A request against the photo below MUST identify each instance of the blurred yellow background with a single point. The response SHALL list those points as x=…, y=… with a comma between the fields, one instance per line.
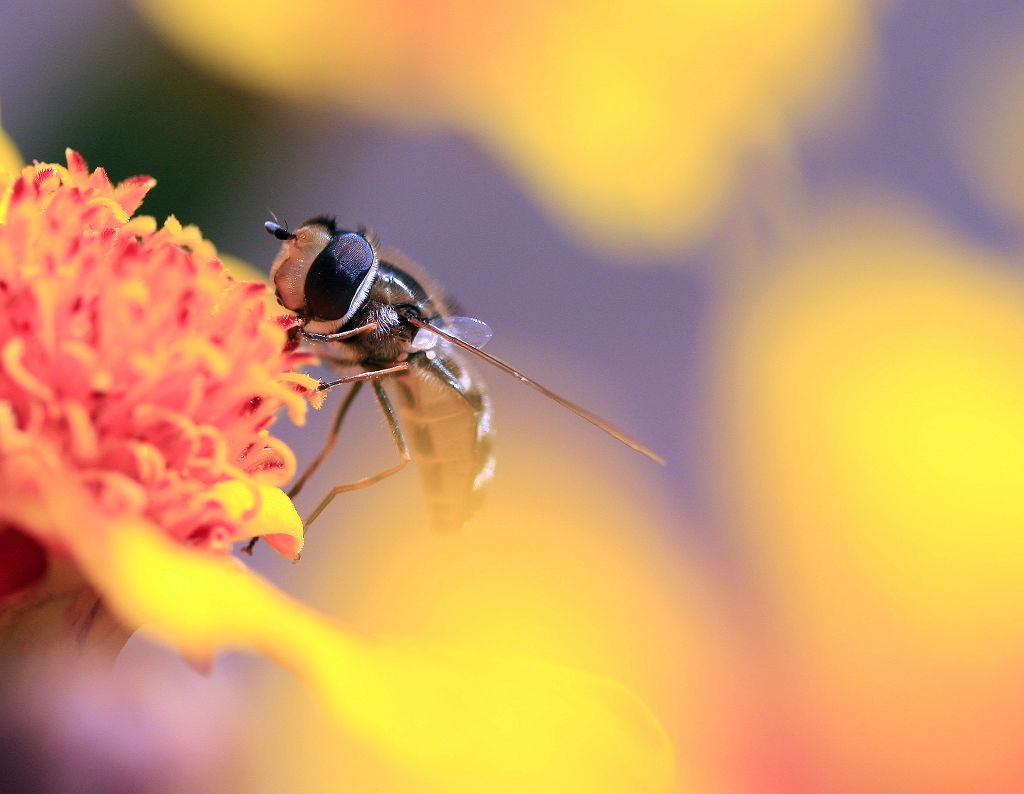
x=781, y=243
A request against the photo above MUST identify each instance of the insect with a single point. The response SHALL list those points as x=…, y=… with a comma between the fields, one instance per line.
x=371, y=312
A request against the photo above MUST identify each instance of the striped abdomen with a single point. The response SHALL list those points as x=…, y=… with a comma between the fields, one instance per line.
x=446, y=419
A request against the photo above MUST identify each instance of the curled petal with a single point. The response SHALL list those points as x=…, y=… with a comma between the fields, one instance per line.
x=262, y=511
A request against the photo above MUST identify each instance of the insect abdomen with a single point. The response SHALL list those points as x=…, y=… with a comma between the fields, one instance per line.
x=446, y=419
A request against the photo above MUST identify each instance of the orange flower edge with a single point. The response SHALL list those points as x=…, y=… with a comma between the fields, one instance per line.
x=138, y=380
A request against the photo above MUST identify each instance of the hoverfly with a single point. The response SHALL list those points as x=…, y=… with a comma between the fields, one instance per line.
x=370, y=311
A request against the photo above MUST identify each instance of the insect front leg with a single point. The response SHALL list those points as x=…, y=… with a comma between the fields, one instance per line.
x=361, y=376
x=403, y=450
x=357, y=382
x=338, y=336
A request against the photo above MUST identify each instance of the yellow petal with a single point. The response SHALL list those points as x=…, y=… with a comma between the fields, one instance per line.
x=243, y=271
x=263, y=511
x=453, y=714
x=10, y=166
x=480, y=723
x=10, y=159
x=582, y=573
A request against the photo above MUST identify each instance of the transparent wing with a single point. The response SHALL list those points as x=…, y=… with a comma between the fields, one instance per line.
x=579, y=410
x=473, y=332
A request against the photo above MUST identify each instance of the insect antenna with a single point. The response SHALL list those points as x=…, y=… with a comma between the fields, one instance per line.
x=580, y=411
x=275, y=228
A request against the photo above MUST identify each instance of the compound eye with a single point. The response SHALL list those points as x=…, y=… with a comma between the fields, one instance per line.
x=339, y=279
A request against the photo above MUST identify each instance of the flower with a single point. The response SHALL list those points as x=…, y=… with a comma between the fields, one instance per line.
x=630, y=121
x=137, y=379
x=137, y=384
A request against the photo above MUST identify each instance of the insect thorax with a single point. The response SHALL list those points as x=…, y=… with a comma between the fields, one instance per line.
x=393, y=289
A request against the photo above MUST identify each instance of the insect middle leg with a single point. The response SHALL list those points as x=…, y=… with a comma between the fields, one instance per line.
x=337, y=336
x=332, y=439
x=403, y=450
x=357, y=382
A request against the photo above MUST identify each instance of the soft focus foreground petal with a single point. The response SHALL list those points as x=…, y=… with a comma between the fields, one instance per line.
x=195, y=602
x=479, y=722
x=871, y=401
x=436, y=710
x=572, y=560
x=630, y=121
